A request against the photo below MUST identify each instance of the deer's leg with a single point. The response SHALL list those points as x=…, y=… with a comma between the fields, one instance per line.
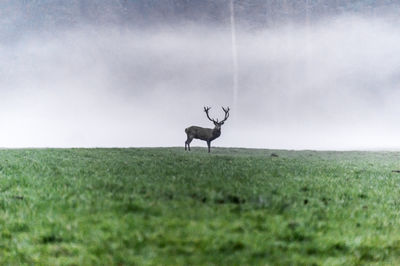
x=189, y=139
x=186, y=143
x=208, y=144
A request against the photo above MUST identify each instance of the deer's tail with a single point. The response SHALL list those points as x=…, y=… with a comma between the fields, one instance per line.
x=186, y=130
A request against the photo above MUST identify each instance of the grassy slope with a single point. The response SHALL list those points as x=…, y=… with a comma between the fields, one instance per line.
x=234, y=206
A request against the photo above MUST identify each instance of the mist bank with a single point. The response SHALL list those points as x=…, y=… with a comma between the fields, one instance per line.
x=331, y=85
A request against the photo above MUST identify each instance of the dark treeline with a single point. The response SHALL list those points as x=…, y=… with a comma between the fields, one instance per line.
x=30, y=15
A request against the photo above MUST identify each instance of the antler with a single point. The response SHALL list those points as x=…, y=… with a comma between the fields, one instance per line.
x=206, y=109
x=226, y=110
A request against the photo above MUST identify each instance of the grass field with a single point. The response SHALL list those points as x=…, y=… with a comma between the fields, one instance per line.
x=230, y=207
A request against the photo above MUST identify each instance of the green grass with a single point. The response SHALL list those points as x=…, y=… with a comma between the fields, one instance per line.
x=171, y=207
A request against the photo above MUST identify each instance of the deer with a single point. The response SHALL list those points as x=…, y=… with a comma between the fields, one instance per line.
x=206, y=134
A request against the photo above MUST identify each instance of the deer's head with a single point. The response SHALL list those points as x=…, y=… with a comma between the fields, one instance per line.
x=217, y=123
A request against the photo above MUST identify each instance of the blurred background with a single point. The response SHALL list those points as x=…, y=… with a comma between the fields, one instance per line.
x=297, y=74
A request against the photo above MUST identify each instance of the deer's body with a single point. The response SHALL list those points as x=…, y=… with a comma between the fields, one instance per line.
x=206, y=134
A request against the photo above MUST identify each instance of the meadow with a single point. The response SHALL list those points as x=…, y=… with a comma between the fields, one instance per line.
x=165, y=206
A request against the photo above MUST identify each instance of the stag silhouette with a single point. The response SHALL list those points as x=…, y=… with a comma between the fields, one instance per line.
x=206, y=134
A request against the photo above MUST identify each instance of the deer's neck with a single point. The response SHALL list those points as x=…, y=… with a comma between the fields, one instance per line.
x=216, y=132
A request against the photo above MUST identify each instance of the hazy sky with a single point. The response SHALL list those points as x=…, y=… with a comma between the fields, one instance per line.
x=334, y=84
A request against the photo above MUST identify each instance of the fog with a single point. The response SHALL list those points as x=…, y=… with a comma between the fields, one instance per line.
x=333, y=85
